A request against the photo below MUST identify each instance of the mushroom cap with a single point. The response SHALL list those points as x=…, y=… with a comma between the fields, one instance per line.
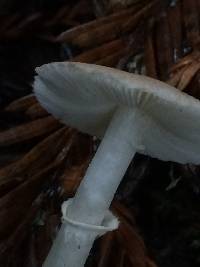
x=86, y=96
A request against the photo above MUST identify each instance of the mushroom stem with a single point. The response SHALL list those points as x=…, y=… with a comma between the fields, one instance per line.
x=107, y=169
x=97, y=190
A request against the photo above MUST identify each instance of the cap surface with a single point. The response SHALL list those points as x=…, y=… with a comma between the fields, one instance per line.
x=86, y=96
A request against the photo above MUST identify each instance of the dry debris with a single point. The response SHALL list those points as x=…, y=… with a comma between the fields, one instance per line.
x=42, y=162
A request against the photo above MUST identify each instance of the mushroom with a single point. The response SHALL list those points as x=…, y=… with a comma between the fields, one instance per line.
x=130, y=113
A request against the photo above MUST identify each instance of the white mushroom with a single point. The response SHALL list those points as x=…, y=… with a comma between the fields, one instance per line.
x=130, y=113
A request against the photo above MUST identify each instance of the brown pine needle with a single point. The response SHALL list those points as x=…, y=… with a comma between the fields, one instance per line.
x=22, y=196
x=21, y=104
x=98, y=53
x=71, y=34
x=105, y=29
x=36, y=111
x=40, y=155
x=105, y=249
x=28, y=131
x=188, y=75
